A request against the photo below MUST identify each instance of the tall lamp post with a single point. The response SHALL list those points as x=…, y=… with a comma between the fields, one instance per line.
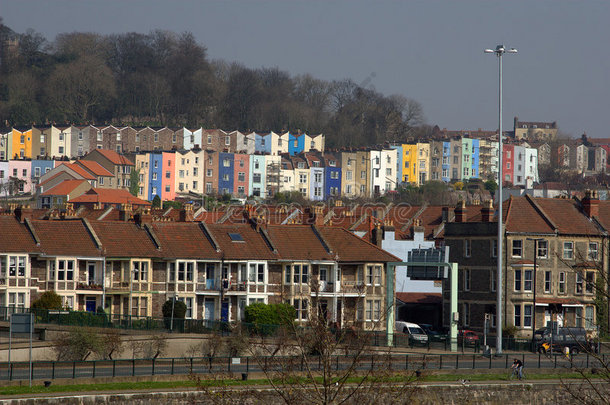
x=499, y=52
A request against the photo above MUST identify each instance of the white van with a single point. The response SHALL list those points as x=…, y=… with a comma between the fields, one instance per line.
x=415, y=332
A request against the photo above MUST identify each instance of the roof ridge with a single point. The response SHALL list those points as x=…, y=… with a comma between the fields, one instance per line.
x=367, y=242
x=321, y=238
x=541, y=212
x=417, y=215
x=92, y=233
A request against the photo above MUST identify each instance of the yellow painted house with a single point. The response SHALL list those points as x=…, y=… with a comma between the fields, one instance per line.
x=22, y=142
x=409, y=164
x=423, y=163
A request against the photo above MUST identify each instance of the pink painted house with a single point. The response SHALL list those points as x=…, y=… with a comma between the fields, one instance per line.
x=168, y=178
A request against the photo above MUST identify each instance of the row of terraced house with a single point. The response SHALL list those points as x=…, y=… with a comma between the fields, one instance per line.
x=131, y=267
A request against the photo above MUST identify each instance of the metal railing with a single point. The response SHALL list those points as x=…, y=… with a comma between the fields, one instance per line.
x=49, y=370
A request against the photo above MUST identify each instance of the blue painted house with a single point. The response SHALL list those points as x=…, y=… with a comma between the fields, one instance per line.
x=257, y=175
x=296, y=144
x=226, y=173
x=332, y=176
x=446, y=162
x=262, y=143
x=39, y=168
x=155, y=173
x=475, y=158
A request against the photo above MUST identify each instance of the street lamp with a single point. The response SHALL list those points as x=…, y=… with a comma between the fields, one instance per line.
x=499, y=51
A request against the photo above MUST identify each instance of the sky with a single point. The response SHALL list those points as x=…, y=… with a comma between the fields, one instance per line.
x=430, y=51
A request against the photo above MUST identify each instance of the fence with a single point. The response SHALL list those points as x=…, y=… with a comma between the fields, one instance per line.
x=374, y=338
x=49, y=370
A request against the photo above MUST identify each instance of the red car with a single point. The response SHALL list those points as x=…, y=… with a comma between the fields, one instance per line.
x=468, y=337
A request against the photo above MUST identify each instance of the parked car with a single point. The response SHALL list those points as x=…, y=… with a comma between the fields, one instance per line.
x=416, y=334
x=468, y=337
x=571, y=337
x=433, y=334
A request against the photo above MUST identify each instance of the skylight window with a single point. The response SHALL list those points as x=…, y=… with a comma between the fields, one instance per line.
x=236, y=237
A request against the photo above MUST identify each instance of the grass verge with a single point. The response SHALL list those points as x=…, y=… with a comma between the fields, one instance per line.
x=160, y=385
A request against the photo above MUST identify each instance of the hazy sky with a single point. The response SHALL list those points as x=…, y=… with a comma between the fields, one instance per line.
x=431, y=51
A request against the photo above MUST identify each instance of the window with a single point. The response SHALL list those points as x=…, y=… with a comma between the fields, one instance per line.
x=318, y=177
x=590, y=317
x=527, y=316
x=376, y=310
x=590, y=279
x=317, y=191
x=167, y=188
x=492, y=279
x=256, y=178
x=154, y=176
x=466, y=317
x=369, y=310
x=579, y=283
x=168, y=174
x=348, y=175
x=466, y=279
x=517, y=280
x=300, y=307
x=467, y=247
x=227, y=140
x=517, y=248
x=226, y=162
x=562, y=282
x=302, y=178
x=156, y=137
x=209, y=138
x=65, y=270
x=542, y=249
x=568, y=250
x=369, y=275
x=225, y=177
x=377, y=275
x=527, y=280
x=494, y=248
x=547, y=282
x=518, y=315
x=592, y=253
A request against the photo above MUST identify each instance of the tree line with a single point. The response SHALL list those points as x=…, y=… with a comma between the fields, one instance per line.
x=167, y=79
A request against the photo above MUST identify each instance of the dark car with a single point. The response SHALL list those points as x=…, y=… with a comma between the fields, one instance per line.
x=573, y=338
x=433, y=334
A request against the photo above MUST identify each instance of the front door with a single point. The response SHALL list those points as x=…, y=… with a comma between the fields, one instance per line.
x=224, y=311
x=209, y=310
x=90, y=304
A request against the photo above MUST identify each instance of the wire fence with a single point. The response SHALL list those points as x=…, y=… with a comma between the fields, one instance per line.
x=50, y=370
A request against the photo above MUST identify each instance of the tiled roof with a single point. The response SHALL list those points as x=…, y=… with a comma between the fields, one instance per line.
x=80, y=171
x=114, y=157
x=94, y=167
x=254, y=247
x=109, y=196
x=58, y=238
x=185, y=240
x=65, y=187
x=124, y=239
x=298, y=241
x=15, y=237
x=419, y=298
x=350, y=248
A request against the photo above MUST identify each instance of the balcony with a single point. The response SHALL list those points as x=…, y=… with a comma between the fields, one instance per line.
x=89, y=286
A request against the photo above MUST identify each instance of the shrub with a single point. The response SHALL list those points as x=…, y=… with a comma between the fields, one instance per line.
x=179, y=309
x=266, y=318
x=48, y=300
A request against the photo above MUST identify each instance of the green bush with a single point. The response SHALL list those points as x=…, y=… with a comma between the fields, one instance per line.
x=266, y=318
x=179, y=309
x=48, y=300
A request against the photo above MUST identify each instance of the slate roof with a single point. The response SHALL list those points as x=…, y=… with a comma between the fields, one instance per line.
x=57, y=238
x=108, y=196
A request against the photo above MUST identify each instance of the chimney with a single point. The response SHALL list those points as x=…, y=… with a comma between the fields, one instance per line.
x=445, y=214
x=460, y=211
x=24, y=212
x=125, y=212
x=377, y=235
x=591, y=204
x=487, y=212
x=186, y=213
x=314, y=215
x=143, y=217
